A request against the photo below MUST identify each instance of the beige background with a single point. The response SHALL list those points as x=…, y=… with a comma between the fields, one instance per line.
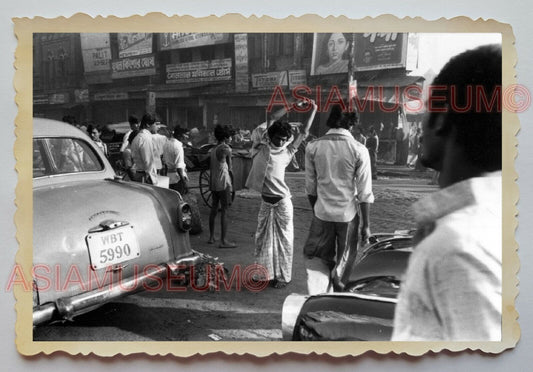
x=504, y=13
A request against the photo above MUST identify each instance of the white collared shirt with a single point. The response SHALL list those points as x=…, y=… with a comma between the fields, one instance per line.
x=452, y=289
x=144, y=153
x=337, y=170
x=174, y=158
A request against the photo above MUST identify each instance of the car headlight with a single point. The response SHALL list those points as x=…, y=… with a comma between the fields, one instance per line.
x=184, y=216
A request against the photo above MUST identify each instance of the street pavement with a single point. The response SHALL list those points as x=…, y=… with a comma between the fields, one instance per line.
x=237, y=312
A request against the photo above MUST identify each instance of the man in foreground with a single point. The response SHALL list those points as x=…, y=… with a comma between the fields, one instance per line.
x=452, y=288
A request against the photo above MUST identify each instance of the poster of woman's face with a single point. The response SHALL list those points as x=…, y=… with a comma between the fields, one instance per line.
x=331, y=53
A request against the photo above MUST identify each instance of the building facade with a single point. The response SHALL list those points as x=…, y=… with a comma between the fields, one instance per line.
x=202, y=79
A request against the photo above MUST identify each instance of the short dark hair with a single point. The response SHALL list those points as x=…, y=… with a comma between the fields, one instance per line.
x=222, y=132
x=281, y=128
x=479, y=129
x=94, y=126
x=147, y=120
x=339, y=119
x=133, y=120
x=179, y=132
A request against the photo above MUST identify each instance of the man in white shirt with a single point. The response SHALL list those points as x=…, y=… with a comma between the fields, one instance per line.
x=338, y=184
x=174, y=159
x=452, y=289
x=143, y=151
x=159, y=141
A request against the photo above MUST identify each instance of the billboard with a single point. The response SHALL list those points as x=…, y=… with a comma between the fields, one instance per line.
x=331, y=53
x=380, y=50
x=134, y=44
x=179, y=40
x=96, y=52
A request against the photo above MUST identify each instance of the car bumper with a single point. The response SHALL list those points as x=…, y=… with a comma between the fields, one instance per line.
x=68, y=308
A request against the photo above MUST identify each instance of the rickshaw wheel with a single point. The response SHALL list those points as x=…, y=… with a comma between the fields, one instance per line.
x=203, y=181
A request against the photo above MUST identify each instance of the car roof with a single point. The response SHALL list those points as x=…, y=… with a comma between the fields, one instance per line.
x=54, y=128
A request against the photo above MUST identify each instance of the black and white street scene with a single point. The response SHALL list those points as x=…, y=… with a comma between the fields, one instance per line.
x=267, y=186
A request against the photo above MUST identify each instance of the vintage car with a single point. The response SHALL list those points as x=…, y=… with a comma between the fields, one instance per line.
x=95, y=236
x=364, y=309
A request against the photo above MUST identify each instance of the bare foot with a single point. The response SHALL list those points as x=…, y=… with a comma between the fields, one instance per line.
x=278, y=284
x=211, y=240
x=226, y=244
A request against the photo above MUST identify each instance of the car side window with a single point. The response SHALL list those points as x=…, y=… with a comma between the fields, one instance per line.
x=40, y=167
x=64, y=155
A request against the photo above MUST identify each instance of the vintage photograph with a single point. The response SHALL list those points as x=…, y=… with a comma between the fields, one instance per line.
x=254, y=186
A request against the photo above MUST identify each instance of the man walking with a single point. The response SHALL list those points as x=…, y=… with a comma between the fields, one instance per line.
x=143, y=151
x=338, y=183
x=452, y=287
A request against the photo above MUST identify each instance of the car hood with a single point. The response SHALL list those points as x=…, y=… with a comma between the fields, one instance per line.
x=390, y=263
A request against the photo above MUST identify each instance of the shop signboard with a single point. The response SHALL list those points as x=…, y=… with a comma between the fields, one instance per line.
x=297, y=78
x=270, y=80
x=110, y=96
x=96, y=52
x=133, y=66
x=380, y=50
x=198, y=72
x=134, y=44
x=58, y=98
x=81, y=95
x=40, y=99
x=241, y=63
x=179, y=40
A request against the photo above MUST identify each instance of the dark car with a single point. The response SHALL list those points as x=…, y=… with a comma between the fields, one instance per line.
x=364, y=310
x=96, y=237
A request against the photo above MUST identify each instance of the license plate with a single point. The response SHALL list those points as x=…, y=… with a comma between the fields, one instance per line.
x=107, y=248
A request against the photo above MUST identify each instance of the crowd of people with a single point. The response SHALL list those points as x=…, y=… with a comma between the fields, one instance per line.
x=452, y=287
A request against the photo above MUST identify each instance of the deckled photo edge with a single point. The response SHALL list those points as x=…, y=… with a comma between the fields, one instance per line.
x=24, y=28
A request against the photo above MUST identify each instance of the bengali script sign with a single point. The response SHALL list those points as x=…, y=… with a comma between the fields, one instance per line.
x=380, y=50
x=269, y=80
x=133, y=66
x=134, y=44
x=241, y=63
x=201, y=71
x=178, y=40
x=296, y=78
x=110, y=96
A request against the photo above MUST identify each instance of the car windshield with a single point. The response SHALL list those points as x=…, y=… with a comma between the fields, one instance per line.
x=53, y=156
